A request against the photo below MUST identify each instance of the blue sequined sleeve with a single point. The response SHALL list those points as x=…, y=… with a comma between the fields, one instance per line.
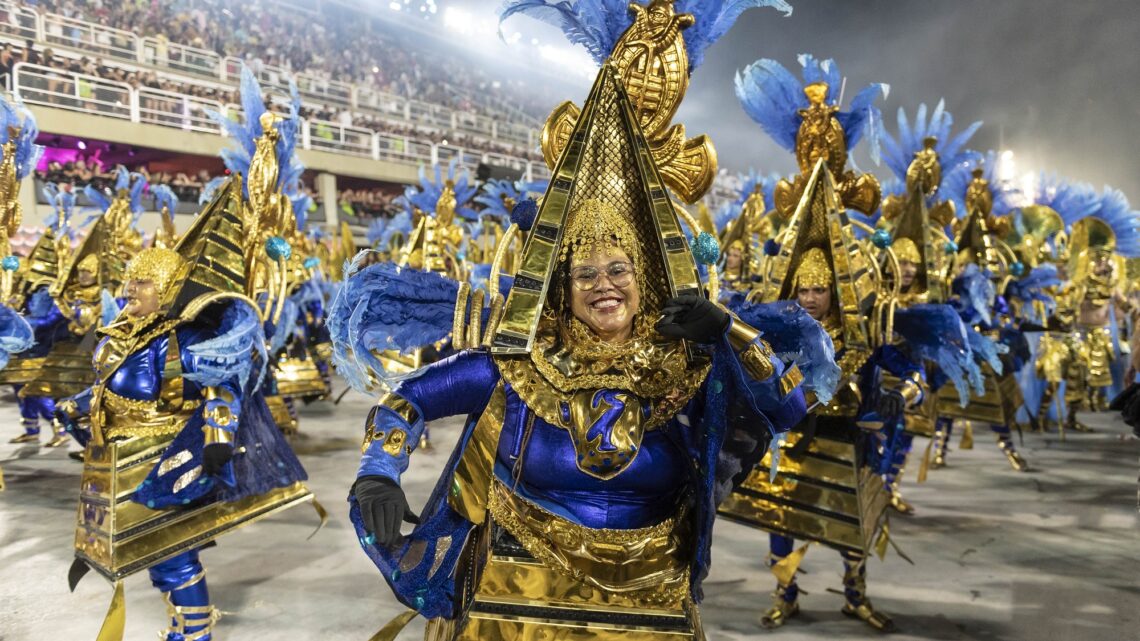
x=461, y=384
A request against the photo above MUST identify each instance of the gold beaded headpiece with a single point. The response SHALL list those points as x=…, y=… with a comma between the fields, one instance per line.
x=163, y=267
x=906, y=249
x=596, y=224
x=814, y=270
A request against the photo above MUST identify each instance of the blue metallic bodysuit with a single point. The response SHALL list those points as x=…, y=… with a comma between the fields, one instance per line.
x=49, y=325
x=584, y=476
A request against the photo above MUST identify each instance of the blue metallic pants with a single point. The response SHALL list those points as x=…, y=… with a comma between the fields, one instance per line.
x=32, y=409
x=854, y=571
x=182, y=581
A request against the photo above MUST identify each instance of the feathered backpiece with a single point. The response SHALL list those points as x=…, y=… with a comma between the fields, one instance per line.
x=398, y=228
x=302, y=203
x=384, y=307
x=1006, y=194
x=1125, y=222
x=777, y=100
x=426, y=197
x=375, y=231
x=499, y=197
x=18, y=126
x=899, y=153
x=246, y=132
x=240, y=345
x=1033, y=287
x=16, y=334
x=1071, y=200
x=597, y=25
x=210, y=189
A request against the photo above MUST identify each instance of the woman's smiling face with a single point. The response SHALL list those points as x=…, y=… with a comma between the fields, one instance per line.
x=604, y=293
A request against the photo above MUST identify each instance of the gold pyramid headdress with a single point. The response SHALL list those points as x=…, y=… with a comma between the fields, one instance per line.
x=979, y=238
x=1030, y=240
x=42, y=266
x=607, y=159
x=820, y=223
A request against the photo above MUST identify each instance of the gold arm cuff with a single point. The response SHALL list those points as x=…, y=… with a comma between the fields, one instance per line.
x=400, y=406
x=912, y=390
x=217, y=435
x=741, y=334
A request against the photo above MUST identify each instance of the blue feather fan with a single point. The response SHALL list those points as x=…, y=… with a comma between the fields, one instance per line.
x=1124, y=221
x=1072, y=200
x=1006, y=194
x=17, y=118
x=935, y=333
x=898, y=153
x=240, y=343
x=384, y=307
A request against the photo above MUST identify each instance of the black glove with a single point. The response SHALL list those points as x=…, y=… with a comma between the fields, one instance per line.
x=382, y=507
x=693, y=318
x=215, y=456
x=891, y=405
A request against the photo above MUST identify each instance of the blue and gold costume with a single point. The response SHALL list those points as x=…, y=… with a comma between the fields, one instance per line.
x=583, y=489
x=180, y=446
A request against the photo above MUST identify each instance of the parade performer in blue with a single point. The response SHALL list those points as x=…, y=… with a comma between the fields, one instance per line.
x=610, y=403
x=180, y=445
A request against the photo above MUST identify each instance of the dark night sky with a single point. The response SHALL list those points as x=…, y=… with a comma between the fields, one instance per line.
x=1054, y=79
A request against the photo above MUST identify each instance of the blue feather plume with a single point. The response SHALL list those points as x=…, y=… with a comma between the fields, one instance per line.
x=1072, y=200
x=1006, y=194
x=164, y=197
x=401, y=224
x=232, y=353
x=110, y=308
x=26, y=153
x=16, y=335
x=1032, y=286
x=773, y=97
x=597, y=25
x=209, y=189
x=975, y=295
x=494, y=194
x=898, y=153
x=986, y=350
x=384, y=307
x=793, y=335
x=936, y=333
x=1124, y=221
x=376, y=230
x=301, y=203
x=426, y=195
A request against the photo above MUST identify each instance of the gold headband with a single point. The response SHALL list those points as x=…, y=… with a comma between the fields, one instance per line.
x=90, y=263
x=814, y=270
x=906, y=249
x=163, y=267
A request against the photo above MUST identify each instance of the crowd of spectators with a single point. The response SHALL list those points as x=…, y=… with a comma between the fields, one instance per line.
x=335, y=43
x=367, y=203
x=89, y=170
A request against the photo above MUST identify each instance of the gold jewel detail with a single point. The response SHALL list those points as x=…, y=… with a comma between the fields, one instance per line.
x=395, y=441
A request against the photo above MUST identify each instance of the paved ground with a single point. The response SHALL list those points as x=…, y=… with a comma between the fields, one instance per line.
x=1048, y=555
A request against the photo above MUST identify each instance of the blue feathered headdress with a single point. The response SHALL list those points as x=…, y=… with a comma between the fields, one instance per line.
x=773, y=97
x=1033, y=286
x=376, y=230
x=1072, y=200
x=246, y=133
x=27, y=152
x=975, y=293
x=495, y=192
x=1006, y=194
x=401, y=223
x=209, y=189
x=301, y=203
x=426, y=195
x=1124, y=221
x=898, y=154
x=597, y=25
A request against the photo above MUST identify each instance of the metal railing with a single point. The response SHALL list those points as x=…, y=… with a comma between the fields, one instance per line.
x=24, y=23
x=171, y=109
x=38, y=85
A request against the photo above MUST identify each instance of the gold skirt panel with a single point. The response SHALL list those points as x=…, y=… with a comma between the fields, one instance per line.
x=1097, y=352
x=998, y=406
x=118, y=537
x=825, y=495
x=65, y=371
x=297, y=377
x=513, y=596
x=21, y=371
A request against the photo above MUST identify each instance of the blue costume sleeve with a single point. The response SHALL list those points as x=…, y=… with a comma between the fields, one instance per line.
x=461, y=384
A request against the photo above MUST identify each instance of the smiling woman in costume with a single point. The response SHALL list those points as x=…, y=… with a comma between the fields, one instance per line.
x=610, y=403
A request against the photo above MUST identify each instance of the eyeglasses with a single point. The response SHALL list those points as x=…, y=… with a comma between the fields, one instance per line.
x=586, y=277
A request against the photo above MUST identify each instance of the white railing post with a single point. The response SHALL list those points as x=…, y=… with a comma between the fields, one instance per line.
x=529, y=173
x=434, y=154
x=134, y=100
x=306, y=135
x=375, y=146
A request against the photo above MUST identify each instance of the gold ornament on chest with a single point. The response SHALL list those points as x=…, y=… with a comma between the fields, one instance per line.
x=606, y=427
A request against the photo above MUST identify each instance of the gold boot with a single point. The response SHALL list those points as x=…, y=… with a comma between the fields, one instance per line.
x=1016, y=461
x=858, y=606
x=782, y=609
x=425, y=443
x=187, y=616
x=941, y=437
x=26, y=438
x=58, y=439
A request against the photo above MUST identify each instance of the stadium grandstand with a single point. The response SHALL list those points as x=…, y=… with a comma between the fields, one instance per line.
x=133, y=82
